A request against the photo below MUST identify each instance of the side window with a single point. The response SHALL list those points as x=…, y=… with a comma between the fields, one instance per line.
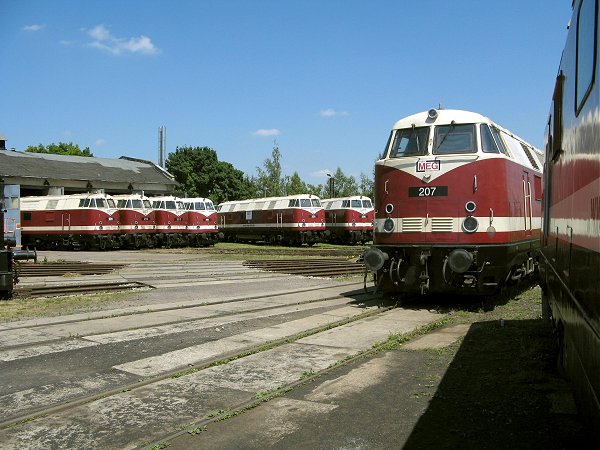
x=586, y=51
x=537, y=187
x=488, y=145
x=356, y=203
x=346, y=204
x=498, y=140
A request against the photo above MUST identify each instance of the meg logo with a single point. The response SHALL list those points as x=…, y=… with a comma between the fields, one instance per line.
x=429, y=166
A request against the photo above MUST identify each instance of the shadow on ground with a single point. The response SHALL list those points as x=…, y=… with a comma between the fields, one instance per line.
x=502, y=390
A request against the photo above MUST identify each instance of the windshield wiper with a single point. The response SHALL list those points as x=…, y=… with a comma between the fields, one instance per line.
x=417, y=135
x=452, y=126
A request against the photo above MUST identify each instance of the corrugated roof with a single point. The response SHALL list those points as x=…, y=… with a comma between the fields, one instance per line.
x=60, y=167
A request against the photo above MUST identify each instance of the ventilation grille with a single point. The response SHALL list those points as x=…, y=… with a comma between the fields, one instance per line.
x=442, y=224
x=412, y=224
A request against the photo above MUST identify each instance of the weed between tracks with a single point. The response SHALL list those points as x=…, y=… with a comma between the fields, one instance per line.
x=11, y=310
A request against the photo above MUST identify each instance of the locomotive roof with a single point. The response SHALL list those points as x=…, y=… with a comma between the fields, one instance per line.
x=268, y=199
x=77, y=172
x=445, y=117
x=352, y=197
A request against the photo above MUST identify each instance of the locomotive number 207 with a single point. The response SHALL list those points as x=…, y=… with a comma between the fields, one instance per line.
x=428, y=191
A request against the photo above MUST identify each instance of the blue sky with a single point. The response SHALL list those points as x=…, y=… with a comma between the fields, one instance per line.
x=325, y=78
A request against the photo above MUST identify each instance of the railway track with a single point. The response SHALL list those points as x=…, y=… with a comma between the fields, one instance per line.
x=41, y=291
x=313, y=299
x=325, y=267
x=28, y=269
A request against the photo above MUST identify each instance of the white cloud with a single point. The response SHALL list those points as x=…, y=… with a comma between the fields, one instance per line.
x=321, y=173
x=100, y=142
x=33, y=28
x=270, y=132
x=330, y=112
x=103, y=39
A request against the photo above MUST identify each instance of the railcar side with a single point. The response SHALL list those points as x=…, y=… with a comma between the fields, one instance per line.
x=570, y=252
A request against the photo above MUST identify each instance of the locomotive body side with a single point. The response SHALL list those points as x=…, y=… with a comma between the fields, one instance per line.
x=69, y=221
x=294, y=220
x=349, y=219
x=570, y=253
x=458, y=206
x=201, y=219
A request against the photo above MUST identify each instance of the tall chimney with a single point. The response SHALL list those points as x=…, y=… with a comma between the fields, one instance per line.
x=162, y=146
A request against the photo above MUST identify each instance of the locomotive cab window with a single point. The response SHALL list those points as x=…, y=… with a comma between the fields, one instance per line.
x=346, y=204
x=488, y=143
x=316, y=203
x=199, y=206
x=367, y=204
x=410, y=142
x=356, y=203
x=454, y=139
x=305, y=203
x=586, y=51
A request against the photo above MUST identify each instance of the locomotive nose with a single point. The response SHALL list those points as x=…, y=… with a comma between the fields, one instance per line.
x=374, y=259
x=460, y=260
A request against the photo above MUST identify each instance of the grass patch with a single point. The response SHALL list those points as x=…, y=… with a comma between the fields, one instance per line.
x=16, y=309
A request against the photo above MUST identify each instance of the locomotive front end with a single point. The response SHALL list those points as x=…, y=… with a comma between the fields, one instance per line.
x=455, y=207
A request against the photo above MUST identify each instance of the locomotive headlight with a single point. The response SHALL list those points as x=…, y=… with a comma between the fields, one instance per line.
x=389, y=208
x=388, y=225
x=470, y=206
x=374, y=259
x=460, y=260
x=470, y=224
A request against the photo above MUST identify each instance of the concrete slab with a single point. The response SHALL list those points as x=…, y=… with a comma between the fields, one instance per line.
x=188, y=357
x=366, y=333
x=56, y=347
x=10, y=338
x=439, y=338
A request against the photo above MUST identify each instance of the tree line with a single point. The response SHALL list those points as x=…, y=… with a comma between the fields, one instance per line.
x=199, y=173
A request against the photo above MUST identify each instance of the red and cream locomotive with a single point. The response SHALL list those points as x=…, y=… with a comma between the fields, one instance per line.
x=290, y=220
x=570, y=251
x=137, y=221
x=101, y=221
x=457, y=206
x=349, y=219
x=89, y=220
x=201, y=220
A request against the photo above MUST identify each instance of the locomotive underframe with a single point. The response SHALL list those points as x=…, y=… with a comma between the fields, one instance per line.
x=308, y=237
x=426, y=269
x=348, y=236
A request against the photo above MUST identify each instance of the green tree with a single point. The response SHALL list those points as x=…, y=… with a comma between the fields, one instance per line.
x=367, y=186
x=344, y=186
x=270, y=182
x=61, y=148
x=295, y=185
x=200, y=174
